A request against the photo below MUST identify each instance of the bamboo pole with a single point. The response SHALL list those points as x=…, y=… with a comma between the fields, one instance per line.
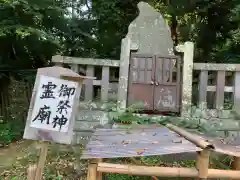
x=139, y=163
x=92, y=170
x=197, y=162
x=236, y=164
x=99, y=174
x=203, y=163
x=165, y=171
x=190, y=137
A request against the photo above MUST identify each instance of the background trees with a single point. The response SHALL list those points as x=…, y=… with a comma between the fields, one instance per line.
x=32, y=31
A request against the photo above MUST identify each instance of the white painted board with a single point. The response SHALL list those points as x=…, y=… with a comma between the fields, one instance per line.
x=53, y=104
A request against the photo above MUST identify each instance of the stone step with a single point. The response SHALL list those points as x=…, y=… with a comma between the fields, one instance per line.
x=93, y=115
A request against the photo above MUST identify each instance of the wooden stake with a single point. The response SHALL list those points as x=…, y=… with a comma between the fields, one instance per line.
x=41, y=161
x=99, y=174
x=92, y=171
x=203, y=163
x=31, y=172
x=198, y=160
x=236, y=164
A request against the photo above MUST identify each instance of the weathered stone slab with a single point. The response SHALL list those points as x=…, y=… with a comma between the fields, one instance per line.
x=93, y=115
x=86, y=122
x=85, y=125
x=149, y=32
x=81, y=137
x=90, y=105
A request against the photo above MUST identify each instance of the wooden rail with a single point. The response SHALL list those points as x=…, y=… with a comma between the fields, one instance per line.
x=105, y=85
x=221, y=85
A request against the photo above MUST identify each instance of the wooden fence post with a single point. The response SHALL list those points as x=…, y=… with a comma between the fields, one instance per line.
x=203, y=163
x=92, y=170
x=236, y=164
x=58, y=59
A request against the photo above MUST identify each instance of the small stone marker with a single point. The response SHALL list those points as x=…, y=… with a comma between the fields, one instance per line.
x=52, y=110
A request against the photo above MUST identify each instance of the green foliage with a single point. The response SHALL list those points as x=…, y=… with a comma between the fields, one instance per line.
x=213, y=25
x=12, y=126
x=28, y=33
x=32, y=31
x=10, y=131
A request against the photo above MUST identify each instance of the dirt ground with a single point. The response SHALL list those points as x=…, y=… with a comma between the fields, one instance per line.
x=61, y=162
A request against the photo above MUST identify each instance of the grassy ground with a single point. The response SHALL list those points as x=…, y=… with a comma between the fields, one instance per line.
x=61, y=163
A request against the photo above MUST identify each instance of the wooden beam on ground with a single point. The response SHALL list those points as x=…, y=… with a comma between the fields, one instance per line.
x=165, y=171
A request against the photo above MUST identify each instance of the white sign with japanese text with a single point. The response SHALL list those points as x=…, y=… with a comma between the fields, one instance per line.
x=53, y=104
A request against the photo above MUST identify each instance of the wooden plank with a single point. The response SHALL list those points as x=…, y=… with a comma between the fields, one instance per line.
x=107, y=143
x=89, y=84
x=216, y=67
x=220, y=89
x=203, y=87
x=105, y=83
x=86, y=61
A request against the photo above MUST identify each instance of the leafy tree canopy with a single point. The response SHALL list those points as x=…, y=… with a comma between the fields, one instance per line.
x=31, y=31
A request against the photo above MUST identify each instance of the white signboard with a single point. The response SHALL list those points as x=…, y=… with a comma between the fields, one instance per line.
x=53, y=104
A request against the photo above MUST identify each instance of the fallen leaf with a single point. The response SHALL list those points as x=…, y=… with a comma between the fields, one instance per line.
x=155, y=142
x=126, y=142
x=177, y=141
x=141, y=151
x=143, y=133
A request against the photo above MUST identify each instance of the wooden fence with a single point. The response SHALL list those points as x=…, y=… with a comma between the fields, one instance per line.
x=217, y=87
x=96, y=96
x=105, y=87
x=216, y=83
